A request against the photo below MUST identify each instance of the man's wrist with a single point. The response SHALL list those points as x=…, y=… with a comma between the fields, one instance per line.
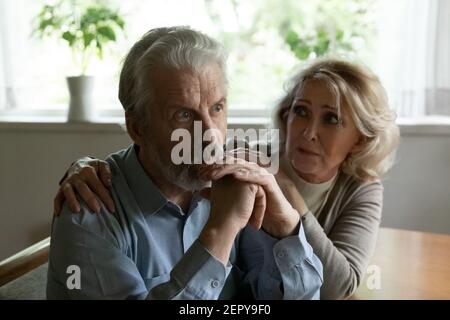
x=218, y=238
x=285, y=228
x=297, y=201
x=292, y=223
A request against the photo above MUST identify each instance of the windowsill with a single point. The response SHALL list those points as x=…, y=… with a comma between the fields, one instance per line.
x=431, y=125
x=424, y=126
x=60, y=124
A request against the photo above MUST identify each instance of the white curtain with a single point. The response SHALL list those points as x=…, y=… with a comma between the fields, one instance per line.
x=13, y=37
x=413, y=58
x=7, y=95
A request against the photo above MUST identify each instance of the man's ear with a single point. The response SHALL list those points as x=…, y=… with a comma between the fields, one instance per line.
x=134, y=129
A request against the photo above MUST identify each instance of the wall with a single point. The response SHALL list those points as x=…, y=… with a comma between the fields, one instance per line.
x=35, y=155
x=417, y=189
x=33, y=159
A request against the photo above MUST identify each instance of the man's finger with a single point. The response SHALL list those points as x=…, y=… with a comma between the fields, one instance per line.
x=259, y=209
x=247, y=155
x=226, y=170
x=70, y=197
x=253, y=176
x=214, y=173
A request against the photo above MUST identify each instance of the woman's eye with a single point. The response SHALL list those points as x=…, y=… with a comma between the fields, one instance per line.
x=300, y=111
x=332, y=118
x=183, y=115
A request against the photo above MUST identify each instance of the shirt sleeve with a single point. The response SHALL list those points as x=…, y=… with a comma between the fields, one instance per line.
x=198, y=275
x=281, y=269
x=93, y=243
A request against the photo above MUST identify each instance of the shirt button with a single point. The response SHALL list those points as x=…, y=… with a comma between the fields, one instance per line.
x=215, y=283
x=281, y=254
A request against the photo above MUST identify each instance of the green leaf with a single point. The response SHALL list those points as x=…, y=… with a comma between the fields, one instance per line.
x=107, y=32
x=87, y=39
x=339, y=35
x=99, y=48
x=84, y=28
x=69, y=37
x=302, y=51
x=44, y=24
x=291, y=38
x=120, y=22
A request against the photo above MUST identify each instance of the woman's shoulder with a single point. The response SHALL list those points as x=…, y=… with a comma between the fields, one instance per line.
x=348, y=182
x=351, y=196
x=352, y=189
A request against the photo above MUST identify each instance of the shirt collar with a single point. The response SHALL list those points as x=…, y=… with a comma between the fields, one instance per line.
x=147, y=194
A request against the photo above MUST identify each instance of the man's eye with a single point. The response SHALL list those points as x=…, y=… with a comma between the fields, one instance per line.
x=331, y=118
x=217, y=108
x=183, y=116
x=301, y=111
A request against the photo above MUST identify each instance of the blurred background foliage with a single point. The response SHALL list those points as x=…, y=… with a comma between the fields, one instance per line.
x=273, y=37
x=266, y=39
x=85, y=26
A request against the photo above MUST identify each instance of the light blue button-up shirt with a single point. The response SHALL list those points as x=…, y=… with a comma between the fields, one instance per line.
x=148, y=249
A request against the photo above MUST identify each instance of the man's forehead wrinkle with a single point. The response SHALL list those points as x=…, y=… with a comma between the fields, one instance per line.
x=184, y=89
x=212, y=85
x=192, y=89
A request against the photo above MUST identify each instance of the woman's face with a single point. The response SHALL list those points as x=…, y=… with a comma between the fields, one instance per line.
x=317, y=140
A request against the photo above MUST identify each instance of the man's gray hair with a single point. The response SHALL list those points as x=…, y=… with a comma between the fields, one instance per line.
x=173, y=48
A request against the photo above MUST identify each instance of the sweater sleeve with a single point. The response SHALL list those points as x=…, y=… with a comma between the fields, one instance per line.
x=346, y=250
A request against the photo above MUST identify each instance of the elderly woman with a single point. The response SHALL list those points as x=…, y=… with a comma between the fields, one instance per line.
x=338, y=138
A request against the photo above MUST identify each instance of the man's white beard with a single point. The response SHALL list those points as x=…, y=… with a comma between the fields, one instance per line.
x=178, y=175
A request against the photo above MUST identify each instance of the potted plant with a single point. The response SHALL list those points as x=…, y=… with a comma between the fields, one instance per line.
x=87, y=29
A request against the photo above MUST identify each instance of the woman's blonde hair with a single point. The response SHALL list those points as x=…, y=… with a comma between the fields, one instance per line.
x=361, y=90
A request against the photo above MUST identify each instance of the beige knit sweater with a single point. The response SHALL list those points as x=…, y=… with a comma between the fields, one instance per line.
x=344, y=235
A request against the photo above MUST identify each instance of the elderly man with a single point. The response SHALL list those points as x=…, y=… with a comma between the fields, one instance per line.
x=164, y=240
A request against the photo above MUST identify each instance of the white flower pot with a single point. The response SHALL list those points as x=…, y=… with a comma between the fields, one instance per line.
x=81, y=107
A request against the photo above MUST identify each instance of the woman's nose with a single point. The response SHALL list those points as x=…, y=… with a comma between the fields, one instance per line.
x=310, y=131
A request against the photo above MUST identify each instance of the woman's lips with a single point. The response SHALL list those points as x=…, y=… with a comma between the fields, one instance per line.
x=307, y=152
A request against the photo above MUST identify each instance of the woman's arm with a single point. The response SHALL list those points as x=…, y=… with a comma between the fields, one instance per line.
x=346, y=250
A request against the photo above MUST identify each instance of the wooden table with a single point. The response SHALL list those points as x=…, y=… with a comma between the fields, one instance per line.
x=411, y=265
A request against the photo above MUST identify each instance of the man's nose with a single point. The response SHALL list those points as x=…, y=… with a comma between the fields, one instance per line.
x=206, y=134
x=207, y=123
x=210, y=130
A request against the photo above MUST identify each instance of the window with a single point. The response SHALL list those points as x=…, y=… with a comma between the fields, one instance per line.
x=266, y=39
x=413, y=56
